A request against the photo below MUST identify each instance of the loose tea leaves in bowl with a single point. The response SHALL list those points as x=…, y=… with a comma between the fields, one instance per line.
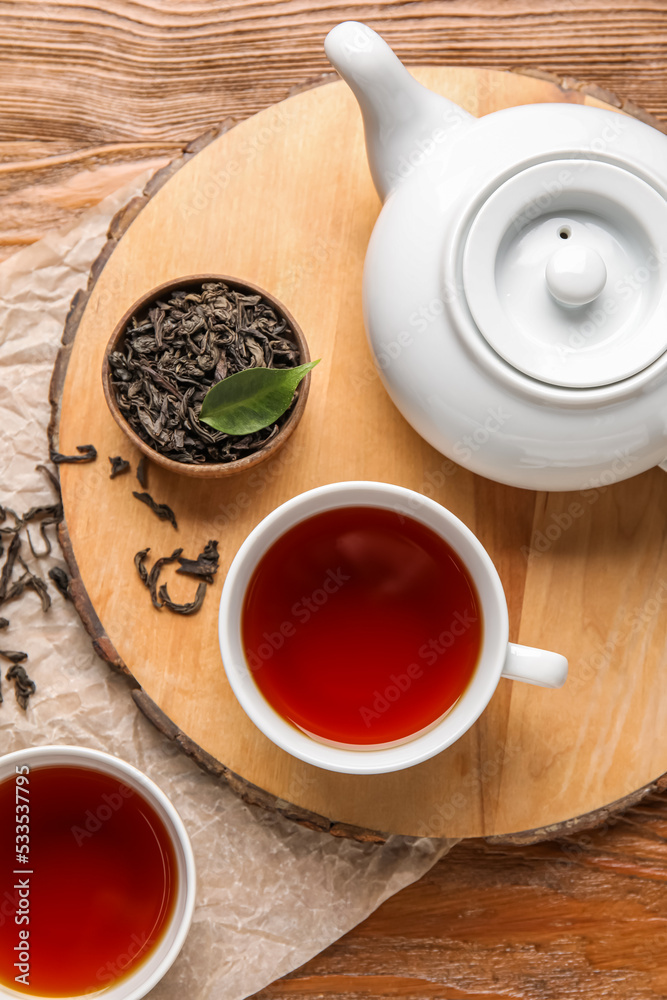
x=182, y=344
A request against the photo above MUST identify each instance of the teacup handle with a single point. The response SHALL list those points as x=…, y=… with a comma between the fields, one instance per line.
x=535, y=666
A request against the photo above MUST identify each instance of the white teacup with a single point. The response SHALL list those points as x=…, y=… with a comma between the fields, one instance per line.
x=498, y=657
x=147, y=974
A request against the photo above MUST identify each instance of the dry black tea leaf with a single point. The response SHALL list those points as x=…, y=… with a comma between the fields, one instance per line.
x=8, y=568
x=35, y=513
x=52, y=479
x=164, y=512
x=47, y=514
x=23, y=686
x=47, y=545
x=205, y=566
x=41, y=589
x=154, y=574
x=47, y=522
x=87, y=453
x=45, y=510
x=118, y=466
x=9, y=529
x=16, y=589
x=61, y=581
x=13, y=657
x=139, y=562
x=183, y=609
x=178, y=349
x=32, y=582
x=142, y=472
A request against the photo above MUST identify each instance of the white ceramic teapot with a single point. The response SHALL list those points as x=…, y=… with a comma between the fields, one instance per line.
x=515, y=285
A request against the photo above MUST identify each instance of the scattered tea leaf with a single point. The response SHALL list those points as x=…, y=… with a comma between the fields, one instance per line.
x=23, y=686
x=87, y=453
x=47, y=549
x=61, y=581
x=183, y=609
x=42, y=530
x=162, y=510
x=9, y=529
x=47, y=514
x=16, y=589
x=118, y=466
x=12, y=656
x=154, y=574
x=142, y=472
x=10, y=588
x=52, y=479
x=41, y=589
x=252, y=399
x=205, y=566
x=32, y=582
x=8, y=568
x=45, y=510
x=139, y=561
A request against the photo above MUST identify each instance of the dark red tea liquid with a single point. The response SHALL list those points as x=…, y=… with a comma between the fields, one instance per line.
x=101, y=879
x=361, y=626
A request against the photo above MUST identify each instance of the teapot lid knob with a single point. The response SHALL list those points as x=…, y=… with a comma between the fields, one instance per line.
x=575, y=273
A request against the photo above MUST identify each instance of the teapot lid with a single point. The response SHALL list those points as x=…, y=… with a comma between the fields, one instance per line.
x=564, y=270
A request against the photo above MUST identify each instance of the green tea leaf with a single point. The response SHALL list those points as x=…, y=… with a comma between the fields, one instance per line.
x=252, y=399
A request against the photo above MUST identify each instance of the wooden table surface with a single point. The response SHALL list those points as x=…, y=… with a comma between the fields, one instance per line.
x=91, y=94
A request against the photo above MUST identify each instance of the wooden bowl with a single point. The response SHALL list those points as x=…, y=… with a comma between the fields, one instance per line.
x=207, y=470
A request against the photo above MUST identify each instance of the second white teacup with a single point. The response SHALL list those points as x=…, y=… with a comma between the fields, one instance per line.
x=41, y=829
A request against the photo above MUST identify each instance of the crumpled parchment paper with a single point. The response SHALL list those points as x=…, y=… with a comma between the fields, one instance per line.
x=271, y=894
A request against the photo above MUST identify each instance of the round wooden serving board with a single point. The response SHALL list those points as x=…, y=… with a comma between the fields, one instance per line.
x=285, y=200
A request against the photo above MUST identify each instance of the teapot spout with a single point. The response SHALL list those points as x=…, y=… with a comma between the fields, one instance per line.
x=403, y=120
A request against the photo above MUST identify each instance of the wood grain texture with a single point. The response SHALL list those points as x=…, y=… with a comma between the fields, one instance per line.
x=92, y=93
x=536, y=758
x=572, y=919
x=539, y=923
